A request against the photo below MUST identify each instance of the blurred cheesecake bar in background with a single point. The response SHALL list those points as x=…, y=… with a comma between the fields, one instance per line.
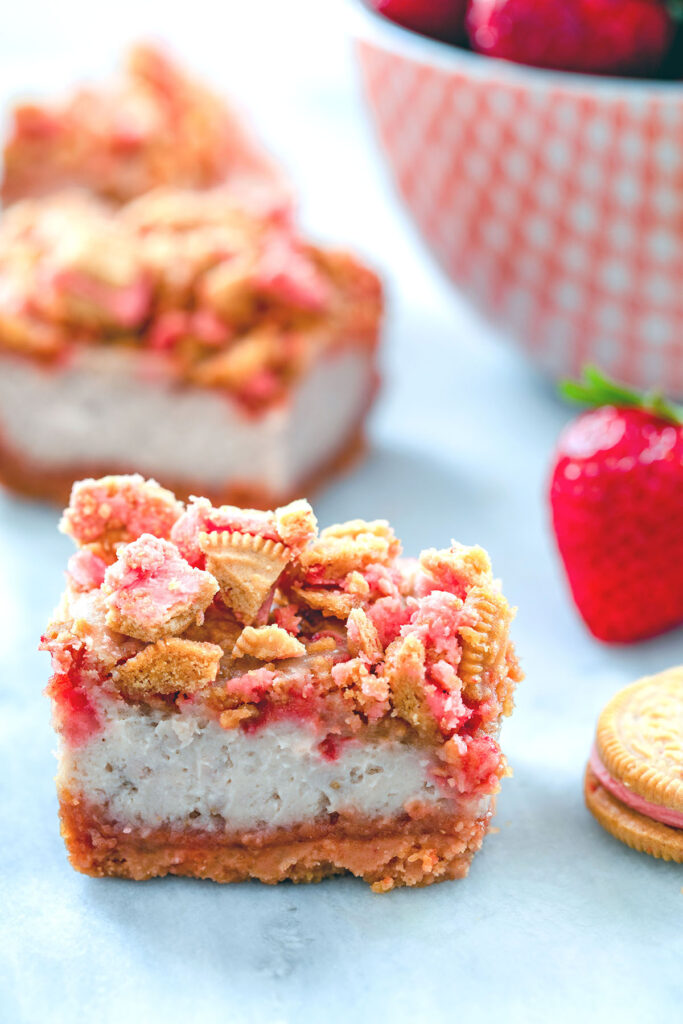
x=180, y=336
x=160, y=312
x=238, y=695
x=154, y=127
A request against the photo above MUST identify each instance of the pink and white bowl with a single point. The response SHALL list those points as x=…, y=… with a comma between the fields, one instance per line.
x=554, y=201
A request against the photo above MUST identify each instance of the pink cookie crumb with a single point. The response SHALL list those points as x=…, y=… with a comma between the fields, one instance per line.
x=86, y=570
x=288, y=275
x=383, y=580
x=261, y=387
x=435, y=620
x=388, y=615
x=167, y=329
x=287, y=618
x=174, y=325
x=445, y=700
x=373, y=689
x=207, y=327
x=153, y=592
x=119, y=508
x=125, y=305
x=251, y=687
x=475, y=765
x=481, y=765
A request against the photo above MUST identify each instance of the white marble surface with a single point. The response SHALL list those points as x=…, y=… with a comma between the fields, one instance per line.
x=557, y=921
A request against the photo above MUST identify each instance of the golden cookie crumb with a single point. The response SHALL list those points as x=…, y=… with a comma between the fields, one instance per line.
x=173, y=665
x=363, y=636
x=246, y=567
x=296, y=524
x=231, y=718
x=267, y=643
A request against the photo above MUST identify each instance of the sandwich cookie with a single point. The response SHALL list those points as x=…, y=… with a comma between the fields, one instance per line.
x=634, y=777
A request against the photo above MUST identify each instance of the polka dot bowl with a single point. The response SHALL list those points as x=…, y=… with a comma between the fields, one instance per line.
x=553, y=201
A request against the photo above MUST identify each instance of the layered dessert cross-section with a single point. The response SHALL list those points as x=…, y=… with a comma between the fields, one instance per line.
x=159, y=310
x=181, y=336
x=239, y=695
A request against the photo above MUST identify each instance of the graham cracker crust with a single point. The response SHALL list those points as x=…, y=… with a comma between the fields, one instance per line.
x=404, y=857
x=31, y=480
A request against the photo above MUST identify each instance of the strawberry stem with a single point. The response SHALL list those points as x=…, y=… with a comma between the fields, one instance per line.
x=596, y=389
x=675, y=8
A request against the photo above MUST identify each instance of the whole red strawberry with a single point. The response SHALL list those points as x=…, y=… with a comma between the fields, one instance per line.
x=627, y=37
x=617, y=509
x=442, y=19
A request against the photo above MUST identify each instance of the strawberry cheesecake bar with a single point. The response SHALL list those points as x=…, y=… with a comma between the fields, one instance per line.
x=239, y=695
x=153, y=127
x=181, y=335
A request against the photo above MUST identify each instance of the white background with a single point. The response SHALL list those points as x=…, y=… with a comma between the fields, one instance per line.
x=557, y=921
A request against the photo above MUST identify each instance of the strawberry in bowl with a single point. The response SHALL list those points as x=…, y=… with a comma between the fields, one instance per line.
x=619, y=37
x=616, y=496
x=551, y=198
x=442, y=19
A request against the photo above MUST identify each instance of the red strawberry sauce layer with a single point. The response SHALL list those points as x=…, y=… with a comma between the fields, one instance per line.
x=69, y=687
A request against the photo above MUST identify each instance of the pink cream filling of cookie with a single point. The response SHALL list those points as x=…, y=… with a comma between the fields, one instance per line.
x=637, y=803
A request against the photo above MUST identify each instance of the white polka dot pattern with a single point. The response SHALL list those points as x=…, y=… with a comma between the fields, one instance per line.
x=558, y=210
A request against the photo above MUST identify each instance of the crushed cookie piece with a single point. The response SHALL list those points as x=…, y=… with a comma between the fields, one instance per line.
x=363, y=636
x=484, y=643
x=389, y=615
x=436, y=619
x=286, y=616
x=322, y=645
x=406, y=677
x=152, y=592
x=228, y=287
x=249, y=688
x=368, y=692
x=201, y=516
x=457, y=568
x=286, y=273
x=219, y=627
x=246, y=567
x=296, y=524
x=356, y=584
x=348, y=547
x=114, y=509
x=452, y=751
x=172, y=665
x=329, y=601
x=239, y=363
x=355, y=528
x=233, y=717
x=86, y=570
x=267, y=643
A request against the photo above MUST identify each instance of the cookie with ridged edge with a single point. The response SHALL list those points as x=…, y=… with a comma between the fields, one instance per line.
x=246, y=566
x=630, y=827
x=634, y=779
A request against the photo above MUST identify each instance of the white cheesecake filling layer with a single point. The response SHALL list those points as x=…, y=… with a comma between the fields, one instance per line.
x=108, y=407
x=156, y=768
